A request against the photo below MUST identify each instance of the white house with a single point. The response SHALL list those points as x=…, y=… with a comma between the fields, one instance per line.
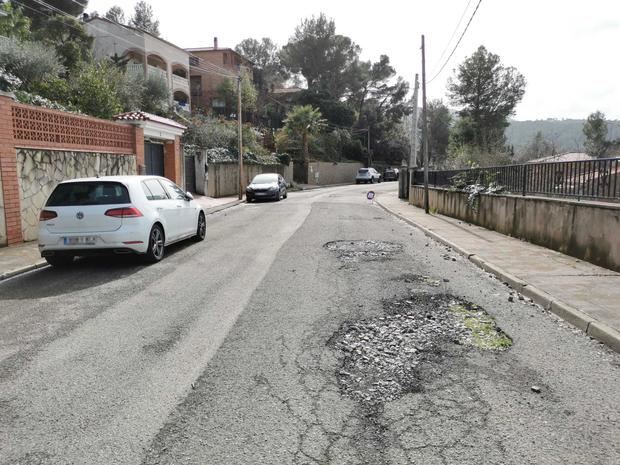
x=148, y=54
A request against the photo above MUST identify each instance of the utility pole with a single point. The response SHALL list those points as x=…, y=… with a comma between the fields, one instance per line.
x=241, y=186
x=413, y=154
x=368, y=148
x=424, y=128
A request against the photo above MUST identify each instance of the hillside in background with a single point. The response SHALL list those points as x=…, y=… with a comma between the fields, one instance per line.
x=566, y=134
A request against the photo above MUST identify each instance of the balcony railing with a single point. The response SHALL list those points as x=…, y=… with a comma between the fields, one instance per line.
x=135, y=69
x=157, y=72
x=180, y=82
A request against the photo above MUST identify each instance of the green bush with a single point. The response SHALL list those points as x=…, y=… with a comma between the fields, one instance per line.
x=210, y=133
x=94, y=90
x=131, y=90
x=156, y=96
x=54, y=89
x=284, y=158
x=31, y=62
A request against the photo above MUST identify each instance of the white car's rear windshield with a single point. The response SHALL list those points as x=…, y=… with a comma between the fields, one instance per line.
x=362, y=171
x=88, y=193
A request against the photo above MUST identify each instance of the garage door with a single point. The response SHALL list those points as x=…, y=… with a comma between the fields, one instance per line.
x=154, y=159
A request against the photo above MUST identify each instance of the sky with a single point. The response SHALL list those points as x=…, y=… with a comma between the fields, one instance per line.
x=566, y=49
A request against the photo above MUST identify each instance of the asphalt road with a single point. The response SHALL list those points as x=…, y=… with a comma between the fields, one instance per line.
x=231, y=352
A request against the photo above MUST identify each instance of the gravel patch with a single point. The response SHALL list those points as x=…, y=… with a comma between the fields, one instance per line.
x=411, y=278
x=382, y=356
x=368, y=250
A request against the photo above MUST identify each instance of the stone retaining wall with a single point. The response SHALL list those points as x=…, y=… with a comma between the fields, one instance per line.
x=39, y=171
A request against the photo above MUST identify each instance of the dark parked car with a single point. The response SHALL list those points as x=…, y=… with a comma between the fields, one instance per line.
x=266, y=186
x=390, y=174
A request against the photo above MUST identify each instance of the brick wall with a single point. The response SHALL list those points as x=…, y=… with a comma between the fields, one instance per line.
x=71, y=146
x=8, y=171
x=26, y=126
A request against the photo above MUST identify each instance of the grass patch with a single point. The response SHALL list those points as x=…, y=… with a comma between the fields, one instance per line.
x=484, y=333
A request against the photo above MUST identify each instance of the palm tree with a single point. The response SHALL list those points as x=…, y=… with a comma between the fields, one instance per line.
x=302, y=122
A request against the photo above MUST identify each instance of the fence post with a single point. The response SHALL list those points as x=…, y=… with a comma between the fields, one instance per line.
x=524, y=179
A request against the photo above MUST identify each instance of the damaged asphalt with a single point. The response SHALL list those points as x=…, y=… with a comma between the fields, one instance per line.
x=287, y=385
x=357, y=341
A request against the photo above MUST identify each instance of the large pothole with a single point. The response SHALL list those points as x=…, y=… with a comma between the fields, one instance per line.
x=382, y=355
x=363, y=250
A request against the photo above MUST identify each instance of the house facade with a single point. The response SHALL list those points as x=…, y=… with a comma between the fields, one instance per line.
x=208, y=69
x=148, y=55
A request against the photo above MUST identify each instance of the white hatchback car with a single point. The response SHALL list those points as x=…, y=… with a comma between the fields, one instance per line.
x=117, y=214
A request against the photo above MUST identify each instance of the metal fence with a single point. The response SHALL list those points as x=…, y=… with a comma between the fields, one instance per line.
x=588, y=179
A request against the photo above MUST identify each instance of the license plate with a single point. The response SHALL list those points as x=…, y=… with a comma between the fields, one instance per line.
x=80, y=240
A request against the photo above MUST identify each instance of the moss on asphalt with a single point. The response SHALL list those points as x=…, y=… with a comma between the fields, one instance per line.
x=485, y=333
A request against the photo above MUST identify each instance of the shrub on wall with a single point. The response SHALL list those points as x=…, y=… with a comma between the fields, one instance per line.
x=94, y=90
x=31, y=62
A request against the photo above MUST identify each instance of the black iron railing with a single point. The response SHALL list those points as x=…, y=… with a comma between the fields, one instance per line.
x=589, y=179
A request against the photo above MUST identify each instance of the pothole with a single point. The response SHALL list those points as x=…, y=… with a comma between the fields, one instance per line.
x=383, y=355
x=366, y=250
x=410, y=278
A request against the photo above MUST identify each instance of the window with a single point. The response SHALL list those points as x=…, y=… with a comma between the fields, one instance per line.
x=195, y=83
x=154, y=190
x=225, y=58
x=175, y=191
x=88, y=193
x=265, y=179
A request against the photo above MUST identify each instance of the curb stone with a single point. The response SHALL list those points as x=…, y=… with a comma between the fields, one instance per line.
x=43, y=263
x=219, y=208
x=575, y=317
x=605, y=334
x=23, y=269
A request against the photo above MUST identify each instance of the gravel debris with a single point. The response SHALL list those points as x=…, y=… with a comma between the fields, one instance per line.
x=382, y=355
x=368, y=250
x=411, y=278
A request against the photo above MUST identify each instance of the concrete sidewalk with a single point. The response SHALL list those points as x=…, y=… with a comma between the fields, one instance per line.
x=583, y=294
x=25, y=257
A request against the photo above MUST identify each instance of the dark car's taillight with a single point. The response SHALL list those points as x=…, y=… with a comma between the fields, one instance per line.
x=125, y=212
x=47, y=215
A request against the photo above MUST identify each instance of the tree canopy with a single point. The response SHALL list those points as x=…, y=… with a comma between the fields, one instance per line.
x=301, y=123
x=14, y=23
x=486, y=92
x=439, y=121
x=323, y=57
x=266, y=57
x=68, y=36
x=595, y=130
x=143, y=18
x=116, y=14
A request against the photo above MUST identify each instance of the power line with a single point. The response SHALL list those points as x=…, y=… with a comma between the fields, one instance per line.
x=456, y=28
x=214, y=68
x=457, y=44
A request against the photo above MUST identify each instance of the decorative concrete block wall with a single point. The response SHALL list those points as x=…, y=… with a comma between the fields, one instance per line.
x=39, y=171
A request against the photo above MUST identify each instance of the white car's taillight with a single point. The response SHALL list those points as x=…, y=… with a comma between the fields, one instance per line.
x=47, y=215
x=125, y=212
